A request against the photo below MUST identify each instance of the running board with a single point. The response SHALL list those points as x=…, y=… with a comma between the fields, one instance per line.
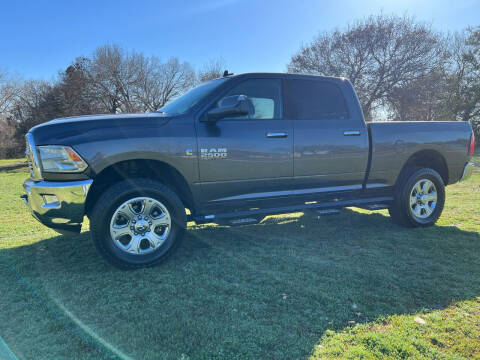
x=361, y=203
x=240, y=221
x=325, y=212
x=374, y=207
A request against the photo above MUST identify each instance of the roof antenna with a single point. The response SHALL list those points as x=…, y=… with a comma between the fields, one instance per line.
x=226, y=73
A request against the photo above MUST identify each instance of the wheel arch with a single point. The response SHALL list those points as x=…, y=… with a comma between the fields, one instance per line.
x=140, y=168
x=427, y=158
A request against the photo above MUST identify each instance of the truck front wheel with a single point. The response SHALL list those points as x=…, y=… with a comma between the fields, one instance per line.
x=419, y=198
x=137, y=223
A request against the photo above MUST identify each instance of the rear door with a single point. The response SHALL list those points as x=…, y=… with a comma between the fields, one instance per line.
x=331, y=139
x=250, y=157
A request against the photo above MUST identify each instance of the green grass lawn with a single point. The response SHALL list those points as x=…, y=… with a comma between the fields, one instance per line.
x=347, y=286
x=11, y=161
x=9, y=164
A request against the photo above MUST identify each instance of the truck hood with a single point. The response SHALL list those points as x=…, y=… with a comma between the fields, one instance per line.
x=89, y=128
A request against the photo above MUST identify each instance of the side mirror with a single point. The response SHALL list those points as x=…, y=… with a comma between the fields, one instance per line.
x=230, y=106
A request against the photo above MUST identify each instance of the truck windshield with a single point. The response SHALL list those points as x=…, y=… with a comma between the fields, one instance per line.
x=185, y=102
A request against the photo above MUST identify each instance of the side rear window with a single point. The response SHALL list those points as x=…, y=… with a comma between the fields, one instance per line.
x=315, y=100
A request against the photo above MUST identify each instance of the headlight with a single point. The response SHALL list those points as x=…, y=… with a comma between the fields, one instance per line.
x=60, y=159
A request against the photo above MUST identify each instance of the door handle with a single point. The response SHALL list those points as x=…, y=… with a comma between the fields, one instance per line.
x=277, y=135
x=351, y=133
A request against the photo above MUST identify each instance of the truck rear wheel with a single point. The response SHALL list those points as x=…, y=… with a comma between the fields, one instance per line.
x=419, y=198
x=137, y=223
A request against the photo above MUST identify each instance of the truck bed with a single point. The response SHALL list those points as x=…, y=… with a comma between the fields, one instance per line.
x=392, y=144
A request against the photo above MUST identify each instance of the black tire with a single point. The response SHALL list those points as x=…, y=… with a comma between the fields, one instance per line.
x=400, y=210
x=116, y=195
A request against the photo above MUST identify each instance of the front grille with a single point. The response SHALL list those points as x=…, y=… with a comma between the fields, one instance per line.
x=32, y=159
x=30, y=167
x=28, y=154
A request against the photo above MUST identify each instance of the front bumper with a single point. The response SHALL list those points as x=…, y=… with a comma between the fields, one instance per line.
x=467, y=171
x=58, y=205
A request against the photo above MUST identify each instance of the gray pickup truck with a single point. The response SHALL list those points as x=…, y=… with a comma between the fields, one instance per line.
x=232, y=151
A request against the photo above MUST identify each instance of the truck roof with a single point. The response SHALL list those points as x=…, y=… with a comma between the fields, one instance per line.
x=287, y=76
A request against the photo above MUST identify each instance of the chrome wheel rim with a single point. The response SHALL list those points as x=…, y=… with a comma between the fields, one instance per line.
x=140, y=225
x=423, y=199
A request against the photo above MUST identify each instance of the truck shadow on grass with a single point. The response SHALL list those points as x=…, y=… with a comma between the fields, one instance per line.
x=263, y=291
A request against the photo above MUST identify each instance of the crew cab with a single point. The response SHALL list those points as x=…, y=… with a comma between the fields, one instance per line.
x=232, y=151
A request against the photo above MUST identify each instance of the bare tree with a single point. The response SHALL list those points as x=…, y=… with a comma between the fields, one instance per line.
x=9, y=146
x=420, y=99
x=7, y=130
x=4, y=98
x=110, y=76
x=378, y=55
x=158, y=83
x=213, y=69
x=131, y=82
x=462, y=92
x=9, y=90
x=77, y=91
x=38, y=101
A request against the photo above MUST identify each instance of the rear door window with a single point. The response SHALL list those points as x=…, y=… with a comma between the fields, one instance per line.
x=315, y=100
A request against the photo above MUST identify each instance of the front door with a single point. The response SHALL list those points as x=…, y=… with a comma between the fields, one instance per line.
x=247, y=158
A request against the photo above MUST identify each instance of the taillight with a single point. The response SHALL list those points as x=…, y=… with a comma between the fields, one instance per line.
x=472, y=145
